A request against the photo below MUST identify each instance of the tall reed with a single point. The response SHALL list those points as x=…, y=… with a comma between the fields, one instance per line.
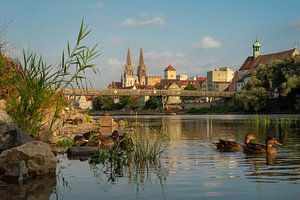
x=38, y=85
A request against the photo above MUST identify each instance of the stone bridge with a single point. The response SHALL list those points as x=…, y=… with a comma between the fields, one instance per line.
x=146, y=92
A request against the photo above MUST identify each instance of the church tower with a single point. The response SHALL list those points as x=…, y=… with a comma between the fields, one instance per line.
x=141, y=71
x=128, y=79
x=256, y=49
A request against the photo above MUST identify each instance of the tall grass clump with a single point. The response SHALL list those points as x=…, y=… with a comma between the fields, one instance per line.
x=147, y=151
x=38, y=86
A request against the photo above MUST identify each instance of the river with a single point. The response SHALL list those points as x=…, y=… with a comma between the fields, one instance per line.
x=191, y=167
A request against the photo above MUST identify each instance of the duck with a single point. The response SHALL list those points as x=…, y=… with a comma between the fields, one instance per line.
x=253, y=148
x=231, y=146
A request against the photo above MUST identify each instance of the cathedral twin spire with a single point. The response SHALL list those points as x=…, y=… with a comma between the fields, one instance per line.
x=129, y=78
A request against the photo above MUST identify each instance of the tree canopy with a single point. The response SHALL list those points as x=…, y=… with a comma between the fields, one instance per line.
x=275, y=85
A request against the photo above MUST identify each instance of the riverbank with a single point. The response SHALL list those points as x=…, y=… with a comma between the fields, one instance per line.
x=194, y=111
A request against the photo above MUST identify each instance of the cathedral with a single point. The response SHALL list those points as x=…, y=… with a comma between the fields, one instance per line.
x=129, y=79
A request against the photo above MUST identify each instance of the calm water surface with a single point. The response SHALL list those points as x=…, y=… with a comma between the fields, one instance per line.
x=190, y=166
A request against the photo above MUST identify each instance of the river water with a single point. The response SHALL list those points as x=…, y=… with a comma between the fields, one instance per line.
x=191, y=167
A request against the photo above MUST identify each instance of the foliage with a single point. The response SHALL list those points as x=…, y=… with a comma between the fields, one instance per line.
x=215, y=110
x=147, y=151
x=64, y=143
x=38, y=85
x=276, y=83
x=107, y=103
x=253, y=99
x=141, y=153
x=153, y=102
x=130, y=102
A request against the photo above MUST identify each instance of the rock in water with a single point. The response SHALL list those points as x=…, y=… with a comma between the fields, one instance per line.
x=11, y=136
x=29, y=160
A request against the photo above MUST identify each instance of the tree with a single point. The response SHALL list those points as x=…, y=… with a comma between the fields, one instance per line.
x=276, y=83
x=253, y=99
x=103, y=103
x=130, y=102
x=153, y=103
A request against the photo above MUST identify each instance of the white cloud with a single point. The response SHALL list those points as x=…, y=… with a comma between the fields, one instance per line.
x=114, y=40
x=208, y=42
x=296, y=24
x=144, y=22
x=114, y=63
x=157, y=62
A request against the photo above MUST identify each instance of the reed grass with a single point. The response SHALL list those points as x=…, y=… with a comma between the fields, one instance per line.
x=38, y=85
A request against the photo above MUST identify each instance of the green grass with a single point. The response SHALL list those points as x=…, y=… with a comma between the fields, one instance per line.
x=214, y=110
x=65, y=143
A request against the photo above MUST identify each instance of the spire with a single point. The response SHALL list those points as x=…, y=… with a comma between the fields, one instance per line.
x=141, y=60
x=128, y=61
x=256, y=48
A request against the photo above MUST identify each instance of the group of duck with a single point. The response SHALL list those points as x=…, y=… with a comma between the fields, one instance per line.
x=248, y=147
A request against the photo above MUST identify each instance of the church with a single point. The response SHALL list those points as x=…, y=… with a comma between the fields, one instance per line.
x=129, y=79
x=242, y=76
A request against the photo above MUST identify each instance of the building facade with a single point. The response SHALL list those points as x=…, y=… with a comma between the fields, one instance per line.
x=243, y=75
x=219, y=79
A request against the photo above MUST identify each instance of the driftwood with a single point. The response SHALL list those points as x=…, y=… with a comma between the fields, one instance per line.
x=78, y=151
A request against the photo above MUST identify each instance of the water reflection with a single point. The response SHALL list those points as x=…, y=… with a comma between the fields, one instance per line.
x=38, y=189
x=191, y=168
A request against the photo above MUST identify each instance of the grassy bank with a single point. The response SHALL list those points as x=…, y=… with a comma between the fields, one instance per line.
x=215, y=110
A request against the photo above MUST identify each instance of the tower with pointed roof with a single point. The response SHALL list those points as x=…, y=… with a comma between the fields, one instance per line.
x=256, y=48
x=128, y=77
x=141, y=71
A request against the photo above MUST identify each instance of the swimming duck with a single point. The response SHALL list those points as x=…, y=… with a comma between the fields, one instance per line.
x=231, y=146
x=253, y=148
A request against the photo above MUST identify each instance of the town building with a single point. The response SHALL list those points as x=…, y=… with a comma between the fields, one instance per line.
x=219, y=79
x=242, y=76
x=153, y=80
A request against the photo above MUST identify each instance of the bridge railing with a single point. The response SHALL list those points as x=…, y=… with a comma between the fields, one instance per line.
x=145, y=92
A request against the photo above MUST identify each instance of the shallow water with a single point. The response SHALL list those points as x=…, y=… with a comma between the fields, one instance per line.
x=191, y=168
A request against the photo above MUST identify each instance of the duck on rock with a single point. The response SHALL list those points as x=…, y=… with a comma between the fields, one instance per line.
x=253, y=148
x=231, y=146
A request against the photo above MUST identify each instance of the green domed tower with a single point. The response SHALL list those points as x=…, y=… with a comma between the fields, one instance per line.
x=256, y=48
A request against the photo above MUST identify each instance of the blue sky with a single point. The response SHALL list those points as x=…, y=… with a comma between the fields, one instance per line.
x=193, y=35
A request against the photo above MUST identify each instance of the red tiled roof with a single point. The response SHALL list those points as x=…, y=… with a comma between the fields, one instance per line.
x=251, y=63
x=170, y=68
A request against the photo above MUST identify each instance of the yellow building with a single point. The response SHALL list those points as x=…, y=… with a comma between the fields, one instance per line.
x=219, y=79
x=170, y=73
x=153, y=80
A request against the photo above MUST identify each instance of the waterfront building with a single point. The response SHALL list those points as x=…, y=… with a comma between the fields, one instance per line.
x=219, y=79
x=242, y=76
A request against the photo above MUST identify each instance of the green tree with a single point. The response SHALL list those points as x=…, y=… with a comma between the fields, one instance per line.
x=103, y=103
x=153, y=102
x=274, y=85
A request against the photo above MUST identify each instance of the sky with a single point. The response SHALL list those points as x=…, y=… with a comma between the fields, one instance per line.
x=194, y=36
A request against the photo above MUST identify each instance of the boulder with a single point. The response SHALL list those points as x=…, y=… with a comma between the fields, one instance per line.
x=107, y=121
x=32, y=159
x=11, y=136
